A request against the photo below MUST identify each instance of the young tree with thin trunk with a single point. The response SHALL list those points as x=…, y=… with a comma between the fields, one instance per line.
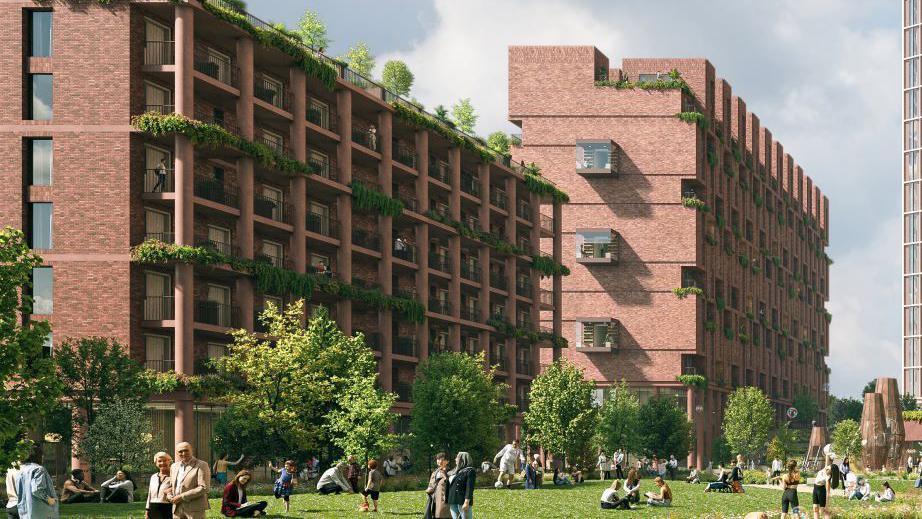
x=360, y=59
x=464, y=115
x=312, y=30
x=396, y=77
x=747, y=420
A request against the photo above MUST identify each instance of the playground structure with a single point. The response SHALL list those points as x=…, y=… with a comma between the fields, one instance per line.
x=882, y=431
x=815, y=446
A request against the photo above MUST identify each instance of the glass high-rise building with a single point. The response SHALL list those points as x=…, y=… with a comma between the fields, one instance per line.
x=912, y=352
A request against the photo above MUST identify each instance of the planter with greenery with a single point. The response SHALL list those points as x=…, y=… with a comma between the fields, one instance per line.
x=548, y=267
x=683, y=292
x=710, y=326
x=744, y=260
x=370, y=199
x=694, y=118
x=535, y=183
x=507, y=329
x=486, y=237
x=694, y=381
x=695, y=203
x=728, y=333
x=423, y=120
x=672, y=81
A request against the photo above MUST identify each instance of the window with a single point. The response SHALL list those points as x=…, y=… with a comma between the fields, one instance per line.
x=40, y=33
x=157, y=98
x=158, y=44
x=321, y=162
x=594, y=156
x=318, y=218
x=274, y=199
x=595, y=334
x=275, y=141
x=217, y=65
x=48, y=346
x=40, y=158
x=218, y=304
x=318, y=113
x=158, y=170
x=42, y=291
x=596, y=244
x=42, y=225
x=269, y=89
x=41, y=94
x=158, y=353
x=158, y=225
x=274, y=252
x=216, y=350
x=158, y=296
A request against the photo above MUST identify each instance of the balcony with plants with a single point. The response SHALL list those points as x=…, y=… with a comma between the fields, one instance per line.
x=365, y=134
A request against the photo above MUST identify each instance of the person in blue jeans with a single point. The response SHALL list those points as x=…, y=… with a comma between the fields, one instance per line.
x=461, y=480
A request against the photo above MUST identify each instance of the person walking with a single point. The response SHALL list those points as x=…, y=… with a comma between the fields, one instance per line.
x=604, y=465
x=234, y=501
x=158, y=505
x=12, y=502
x=285, y=482
x=672, y=466
x=789, y=482
x=191, y=481
x=220, y=467
x=353, y=472
x=461, y=481
x=437, y=490
x=36, y=498
x=619, y=464
x=736, y=475
x=372, y=486
x=390, y=467
x=509, y=457
x=76, y=490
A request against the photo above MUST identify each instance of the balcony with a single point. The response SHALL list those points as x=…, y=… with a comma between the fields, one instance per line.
x=323, y=118
x=158, y=181
x=599, y=250
x=373, y=340
x=405, y=345
x=226, y=249
x=525, y=244
x=596, y=158
x=439, y=262
x=523, y=288
x=322, y=224
x=439, y=306
x=471, y=313
x=404, y=391
x=470, y=185
x=217, y=314
x=365, y=135
x=471, y=272
x=158, y=308
x=217, y=118
x=366, y=239
x=275, y=261
x=159, y=365
x=546, y=298
x=214, y=191
x=547, y=224
x=524, y=322
x=216, y=66
x=524, y=210
x=164, y=236
x=404, y=155
x=524, y=367
x=498, y=359
x=324, y=167
x=274, y=143
x=498, y=280
x=405, y=251
x=271, y=208
x=439, y=170
x=599, y=336
x=158, y=52
x=499, y=198
x=409, y=202
x=161, y=109
x=272, y=92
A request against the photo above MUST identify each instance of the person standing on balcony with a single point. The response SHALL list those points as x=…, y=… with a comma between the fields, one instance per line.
x=160, y=171
x=372, y=137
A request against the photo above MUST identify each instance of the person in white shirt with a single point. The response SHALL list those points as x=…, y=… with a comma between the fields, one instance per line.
x=851, y=485
x=776, y=468
x=604, y=466
x=672, y=465
x=390, y=467
x=909, y=464
x=158, y=505
x=619, y=464
x=887, y=496
x=864, y=490
x=12, y=503
x=611, y=500
x=117, y=489
x=509, y=457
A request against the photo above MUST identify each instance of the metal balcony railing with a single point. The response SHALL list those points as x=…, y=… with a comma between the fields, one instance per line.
x=158, y=180
x=366, y=239
x=523, y=210
x=596, y=250
x=323, y=118
x=325, y=167
x=159, y=365
x=217, y=314
x=216, y=66
x=524, y=367
x=224, y=248
x=158, y=308
x=322, y=224
x=405, y=345
x=404, y=155
x=274, y=93
x=164, y=236
x=439, y=306
x=470, y=185
x=409, y=202
x=275, y=144
x=405, y=251
x=471, y=272
x=276, y=261
x=499, y=198
x=523, y=288
x=218, y=118
x=159, y=108
x=471, y=313
x=404, y=391
x=498, y=280
x=439, y=170
x=271, y=208
x=158, y=52
x=439, y=262
x=499, y=360
x=214, y=190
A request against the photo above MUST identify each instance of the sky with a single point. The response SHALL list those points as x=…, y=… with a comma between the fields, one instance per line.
x=822, y=75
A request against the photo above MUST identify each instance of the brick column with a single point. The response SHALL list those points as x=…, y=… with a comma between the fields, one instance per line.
x=454, y=248
x=184, y=425
x=386, y=266
x=245, y=289
x=344, y=203
x=512, y=317
x=484, y=259
x=535, y=277
x=558, y=279
x=422, y=240
x=298, y=196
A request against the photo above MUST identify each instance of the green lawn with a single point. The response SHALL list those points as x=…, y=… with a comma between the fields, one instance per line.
x=566, y=502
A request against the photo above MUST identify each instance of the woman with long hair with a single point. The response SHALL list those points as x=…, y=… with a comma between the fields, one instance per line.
x=234, y=502
x=461, y=480
x=789, y=482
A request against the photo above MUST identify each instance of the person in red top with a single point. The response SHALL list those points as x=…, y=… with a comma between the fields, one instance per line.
x=234, y=503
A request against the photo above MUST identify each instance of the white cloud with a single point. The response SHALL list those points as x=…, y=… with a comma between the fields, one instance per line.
x=823, y=75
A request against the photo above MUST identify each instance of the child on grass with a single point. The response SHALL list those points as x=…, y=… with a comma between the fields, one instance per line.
x=372, y=486
x=285, y=482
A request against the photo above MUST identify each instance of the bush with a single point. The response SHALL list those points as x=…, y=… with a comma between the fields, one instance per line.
x=755, y=477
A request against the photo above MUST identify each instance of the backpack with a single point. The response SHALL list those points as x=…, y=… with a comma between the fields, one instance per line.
x=835, y=476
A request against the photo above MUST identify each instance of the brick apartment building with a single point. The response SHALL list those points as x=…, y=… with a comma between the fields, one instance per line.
x=87, y=186
x=632, y=233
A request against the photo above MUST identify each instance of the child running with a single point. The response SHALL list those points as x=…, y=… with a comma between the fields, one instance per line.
x=285, y=482
x=372, y=486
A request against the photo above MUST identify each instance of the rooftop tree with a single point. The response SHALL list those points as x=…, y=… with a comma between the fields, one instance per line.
x=397, y=77
x=360, y=59
x=464, y=115
x=312, y=30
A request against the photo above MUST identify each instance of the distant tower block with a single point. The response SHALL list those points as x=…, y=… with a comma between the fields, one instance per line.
x=873, y=432
x=893, y=420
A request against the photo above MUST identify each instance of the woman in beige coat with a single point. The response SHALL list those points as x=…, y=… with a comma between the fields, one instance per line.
x=437, y=504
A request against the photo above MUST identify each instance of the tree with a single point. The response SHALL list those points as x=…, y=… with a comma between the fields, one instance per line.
x=560, y=415
x=747, y=420
x=464, y=115
x=844, y=408
x=236, y=432
x=120, y=437
x=396, y=77
x=619, y=420
x=665, y=429
x=846, y=438
x=360, y=59
x=870, y=387
x=292, y=382
x=783, y=442
x=720, y=451
x=312, y=30
x=498, y=142
x=362, y=424
x=29, y=387
x=457, y=405
x=908, y=402
x=96, y=370
x=441, y=113
x=806, y=406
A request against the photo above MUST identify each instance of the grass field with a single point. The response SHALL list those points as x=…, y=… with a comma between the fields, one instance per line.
x=581, y=502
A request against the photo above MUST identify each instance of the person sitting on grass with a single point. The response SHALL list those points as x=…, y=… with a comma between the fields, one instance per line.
x=736, y=475
x=576, y=474
x=663, y=498
x=117, y=489
x=76, y=490
x=234, y=501
x=693, y=477
x=888, y=495
x=612, y=501
x=632, y=486
x=334, y=481
x=856, y=492
x=721, y=483
x=851, y=484
x=372, y=486
x=560, y=480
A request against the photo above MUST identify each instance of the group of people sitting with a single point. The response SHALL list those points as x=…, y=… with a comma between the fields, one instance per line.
x=613, y=499
x=726, y=482
x=117, y=489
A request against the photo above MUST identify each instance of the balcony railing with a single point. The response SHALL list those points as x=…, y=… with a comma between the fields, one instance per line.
x=498, y=280
x=158, y=52
x=470, y=185
x=598, y=251
x=525, y=244
x=524, y=322
x=439, y=262
x=405, y=345
x=523, y=288
x=524, y=367
x=158, y=181
x=440, y=306
x=158, y=308
x=229, y=123
x=217, y=314
x=499, y=198
x=214, y=191
x=323, y=118
x=471, y=313
x=404, y=155
x=471, y=272
x=322, y=224
x=499, y=360
x=273, y=93
x=276, y=261
x=523, y=210
x=159, y=365
x=547, y=297
x=408, y=202
x=274, y=144
x=164, y=236
x=159, y=108
x=216, y=66
x=439, y=170
x=271, y=208
x=437, y=346
x=366, y=239
x=404, y=391
x=325, y=167
x=405, y=251
x=365, y=135
x=224, y=248
x=547, y=223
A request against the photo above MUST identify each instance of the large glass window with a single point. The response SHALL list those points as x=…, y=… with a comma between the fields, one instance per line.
x=40, y=155
x=593, y=155
x=594, y=244
x=40, y=37
x=42, y=291
x=41, y=225
x=912, y=166
x=41, y=88
x=596, y=334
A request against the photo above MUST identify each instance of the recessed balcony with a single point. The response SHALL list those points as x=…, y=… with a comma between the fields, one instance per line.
x=597, y=158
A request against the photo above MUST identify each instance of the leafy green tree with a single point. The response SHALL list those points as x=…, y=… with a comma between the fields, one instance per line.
x=908, y=402
x=720, y=451
x=747, y=420
x=870, y=387
x=120, y=437
x=441, y=113
x=499, y=142
x=236, y=432
x=844, y=408
x=396, y=77
x=464, y=115
x=312, y=30
x=665, y=429
x=29, y=387
x=360, y=59
x=457, y=405
x=362, y=424
x=96, y=370
x=560, y=415
x=619, y=420
x=807, y=407
x=846, y=438
x=782, y=443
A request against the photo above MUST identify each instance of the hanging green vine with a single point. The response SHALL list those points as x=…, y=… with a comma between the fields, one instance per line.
x=548, y=267
x=683, y=292
x=694, y=118
x=424, y=120
x=694, y=381
x=535, y=183
x=507, y=329
x=694, y=202
x=488, y=238
x=370, y=199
